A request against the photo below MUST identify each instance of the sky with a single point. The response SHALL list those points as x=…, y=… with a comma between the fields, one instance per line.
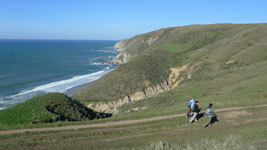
x=117, y=19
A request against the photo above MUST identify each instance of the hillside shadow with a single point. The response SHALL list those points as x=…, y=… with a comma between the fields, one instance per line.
x=104, y=115
x=64, y=118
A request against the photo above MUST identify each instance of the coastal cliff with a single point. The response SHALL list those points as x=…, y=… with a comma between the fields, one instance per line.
x=172, y=82
x=166, y=59
x=138, y=45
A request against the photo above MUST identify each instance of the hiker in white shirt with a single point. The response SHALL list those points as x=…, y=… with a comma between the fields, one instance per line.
x=210, y=114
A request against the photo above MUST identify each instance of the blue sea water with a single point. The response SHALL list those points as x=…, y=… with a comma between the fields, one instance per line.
x=32, y=67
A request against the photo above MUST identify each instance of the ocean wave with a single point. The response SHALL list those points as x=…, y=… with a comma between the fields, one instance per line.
x=75, y=81
x=58, y=86
x=110, y=47
x=100, y=63
x=107, y=51
x=103, y=60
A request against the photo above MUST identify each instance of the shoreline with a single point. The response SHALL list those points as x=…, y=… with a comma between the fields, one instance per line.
x=68, y=92
x=71, y=91
x=67, y=86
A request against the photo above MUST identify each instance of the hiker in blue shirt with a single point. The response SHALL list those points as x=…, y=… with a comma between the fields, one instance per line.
x=190, y=106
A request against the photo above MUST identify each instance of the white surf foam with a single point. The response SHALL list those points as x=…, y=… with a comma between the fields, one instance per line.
x=59, y=86
x=64, y=85
x=107, y=51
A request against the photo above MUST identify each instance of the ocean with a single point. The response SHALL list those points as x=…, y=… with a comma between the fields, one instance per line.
x=33, y=67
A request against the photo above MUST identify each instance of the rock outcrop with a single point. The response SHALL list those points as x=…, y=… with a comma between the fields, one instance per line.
x=121, y=45
x=134, y=47
x=112, y=106
x=122, y=57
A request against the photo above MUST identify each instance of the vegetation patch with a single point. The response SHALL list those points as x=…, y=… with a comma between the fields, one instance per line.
x=173, y=47
x=46, y=108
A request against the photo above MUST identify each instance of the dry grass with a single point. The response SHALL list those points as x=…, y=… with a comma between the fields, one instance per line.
x=231, y=142
x=236, y=114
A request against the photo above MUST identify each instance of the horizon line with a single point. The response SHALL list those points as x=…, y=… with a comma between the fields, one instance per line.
x=60, y=39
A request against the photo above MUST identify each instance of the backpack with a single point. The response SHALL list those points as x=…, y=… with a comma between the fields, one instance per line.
x=190, y=103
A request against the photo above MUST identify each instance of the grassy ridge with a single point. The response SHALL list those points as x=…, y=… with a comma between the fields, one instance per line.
x=230, y=72
x=51, y=107
x=205, y=47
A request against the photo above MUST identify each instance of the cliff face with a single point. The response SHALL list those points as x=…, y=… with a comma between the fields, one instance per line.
x=173, y=81
x=137, y=46
x=122, y=57
x=122, y=45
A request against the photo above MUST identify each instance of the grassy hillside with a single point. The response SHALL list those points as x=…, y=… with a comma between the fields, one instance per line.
x=128, y=78
x=51, y=107
x=230, y=72
x=207, y=49
x=227, y=66
x=242, y=130
x=226, y=63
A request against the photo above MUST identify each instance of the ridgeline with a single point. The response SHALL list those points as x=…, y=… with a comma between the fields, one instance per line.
x=222, y=57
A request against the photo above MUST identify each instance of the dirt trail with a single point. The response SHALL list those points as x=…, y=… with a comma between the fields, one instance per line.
x=117, y=123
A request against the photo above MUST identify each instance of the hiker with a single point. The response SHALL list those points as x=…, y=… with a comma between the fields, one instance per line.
x=195, y=111
x=190, y=106
x=211, y=115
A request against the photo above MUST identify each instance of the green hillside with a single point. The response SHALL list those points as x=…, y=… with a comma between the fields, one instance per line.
x=222, y=59
x=226, y=65
x=51, y=107
x=223, y=64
